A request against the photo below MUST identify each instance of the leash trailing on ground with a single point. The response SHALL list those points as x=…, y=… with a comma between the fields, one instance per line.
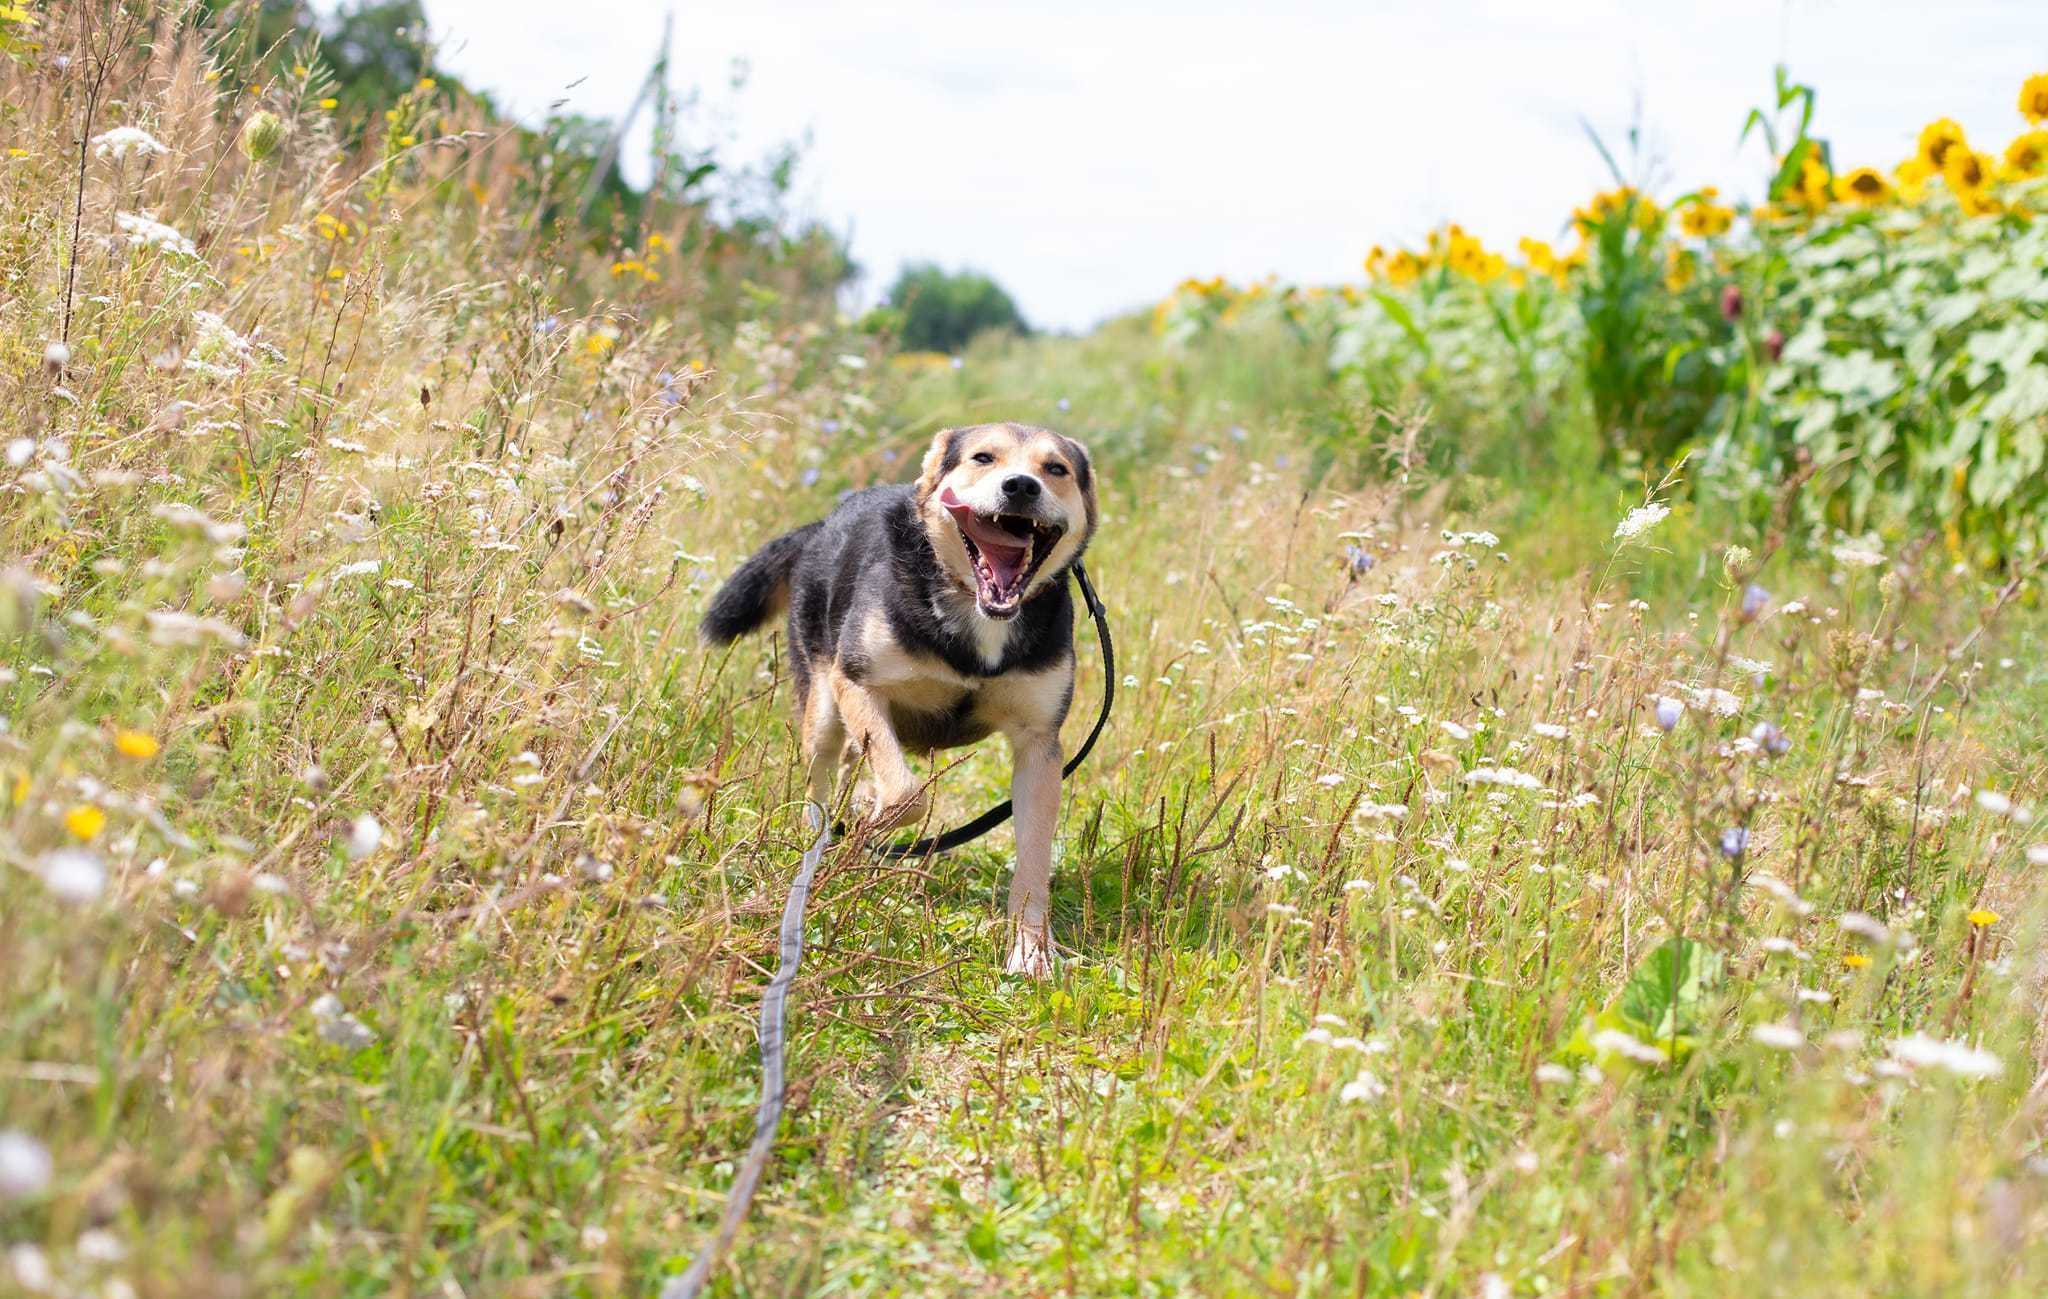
x=775, y=1001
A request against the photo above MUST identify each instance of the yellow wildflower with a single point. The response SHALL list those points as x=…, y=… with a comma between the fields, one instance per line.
x=1703, y=218
x=136, y=744
x=426, y=83
x=330, y=103
x=1856, y=960
x=1983, y=916
x=85, y=821
x=21, y=788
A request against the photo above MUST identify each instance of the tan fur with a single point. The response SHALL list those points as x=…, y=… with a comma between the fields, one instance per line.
x=1016, y=448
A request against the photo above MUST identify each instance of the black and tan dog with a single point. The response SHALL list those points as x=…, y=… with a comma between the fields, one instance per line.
x=929, y=615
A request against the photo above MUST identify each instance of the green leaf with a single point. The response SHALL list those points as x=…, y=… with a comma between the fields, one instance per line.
x=1661, y=999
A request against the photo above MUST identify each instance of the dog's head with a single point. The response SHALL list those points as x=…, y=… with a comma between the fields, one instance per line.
x=1008, y=508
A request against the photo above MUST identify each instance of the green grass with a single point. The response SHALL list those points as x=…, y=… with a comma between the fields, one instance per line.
x=553, y=947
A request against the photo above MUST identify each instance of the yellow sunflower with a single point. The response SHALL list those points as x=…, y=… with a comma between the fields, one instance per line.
x=2034, y=98
x=1937, y=138
x=1912, y=176
x=1703, y=219
x=1864, y=185
x=1965, y=169
x=2028, y=154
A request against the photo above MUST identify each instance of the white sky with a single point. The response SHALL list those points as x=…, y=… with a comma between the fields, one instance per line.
x=1089, y=155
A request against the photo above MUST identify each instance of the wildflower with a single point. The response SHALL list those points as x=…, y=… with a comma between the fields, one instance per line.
x=364, y=836
x=1856, y=960
x=1552, y=1074
x=2028, y=153
x=1669, y=710
x=1754, y=599
x=85, y=821
x=1507, y=776
x=1959, y=1058
x=1983, y=917
x=1616, y=1042
x=1937, y=139
x=1779, y=1037
x=25, y=1165
x=1731, y=302
x=1864, y=925
x=1455, y=731
x=1358, y=560
x=1734, y=841
x=1640, y=520
x=1858, y=557
x=2034, y=98
x=144, y=230
x=135, y=744
x=1774, y=344
x=74, y=875
x=261, y=135
x=2037, y=855
x=1549, y=730
x=1769, y=738
x=1366, y=1088
x=339, y=1027
x=1994, y=802
x=55, y=357
x=124, y=140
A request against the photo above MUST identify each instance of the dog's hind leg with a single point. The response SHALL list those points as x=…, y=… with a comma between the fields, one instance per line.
x=900, y=799
x=1035, y=794
x=824, y=740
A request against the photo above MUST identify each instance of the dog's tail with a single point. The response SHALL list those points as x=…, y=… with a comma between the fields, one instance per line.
x=757, y=591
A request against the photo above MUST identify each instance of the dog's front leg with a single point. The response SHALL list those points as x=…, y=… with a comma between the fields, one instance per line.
x=1035, y=794
x=899, y=798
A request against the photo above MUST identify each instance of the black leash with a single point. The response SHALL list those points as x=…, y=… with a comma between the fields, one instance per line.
x=1000, y=813
x=775, y=1001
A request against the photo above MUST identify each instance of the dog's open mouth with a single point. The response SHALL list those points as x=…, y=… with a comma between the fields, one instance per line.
x=1005, y=550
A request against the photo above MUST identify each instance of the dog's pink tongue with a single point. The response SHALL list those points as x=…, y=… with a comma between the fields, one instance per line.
x=1004, y=555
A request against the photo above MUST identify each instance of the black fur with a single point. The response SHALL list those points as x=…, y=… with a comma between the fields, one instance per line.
x=754, y=592
x=872, y=553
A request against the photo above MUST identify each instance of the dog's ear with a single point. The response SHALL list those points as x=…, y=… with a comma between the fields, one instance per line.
x=1084, y=474
x=939, y=460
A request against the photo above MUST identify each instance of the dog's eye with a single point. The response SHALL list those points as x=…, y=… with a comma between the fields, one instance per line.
x=984, y=458
x=1055, y=469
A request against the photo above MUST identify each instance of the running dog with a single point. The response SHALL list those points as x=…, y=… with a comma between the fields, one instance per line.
x=929, y=615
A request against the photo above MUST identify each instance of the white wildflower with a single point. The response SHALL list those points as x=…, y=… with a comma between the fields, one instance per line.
x=124, y=140
x=144, y=230
x=1328, y=1020
x=1959, y=1058
x=1623, y=1044
x=364, y=836
x=74, y=875
x=359, y=568
x=1455, y=731
x=1380, y=811
x=1507, y=776
x=1864, y=925
x=1365, y=1089
x=1640, y=520
x=24, y=1165
x=1552, y=1074
x=1316, y=1034
x=1330, y=779
x=339, y=1027
x=1778, y=1037
x=1549, y=730
x=170, y=628
x=1858, y=557
x=2037, y=855
x=1994, y=802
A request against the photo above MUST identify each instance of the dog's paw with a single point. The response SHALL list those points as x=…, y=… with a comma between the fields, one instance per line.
x=882, y=813
x=1030, y=954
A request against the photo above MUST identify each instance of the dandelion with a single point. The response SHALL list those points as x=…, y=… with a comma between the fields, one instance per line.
x=74, y=876
x=135, y=744
x=122, y=141
x=25, y=1165
x=1959, y=1058
x=1639, y=521
x=1669, y=710
x=1778, y=1037
x=1983, y=917
x=85, y=821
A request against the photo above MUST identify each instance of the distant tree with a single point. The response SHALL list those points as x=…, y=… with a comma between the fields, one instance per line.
x=941, y=311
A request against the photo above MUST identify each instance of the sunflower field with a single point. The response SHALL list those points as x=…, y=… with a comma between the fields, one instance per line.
x=1879, y=329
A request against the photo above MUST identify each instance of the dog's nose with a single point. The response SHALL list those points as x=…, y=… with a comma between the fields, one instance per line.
x=1021, y=487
